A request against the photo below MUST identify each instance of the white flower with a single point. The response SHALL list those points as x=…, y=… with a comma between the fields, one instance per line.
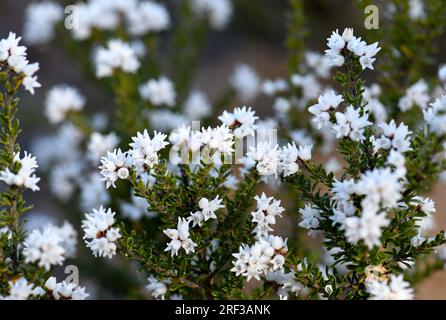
x=68, y=237
x=197, y=106
x=20, y=289
x=208, y=208
x=15, y=57
x=336, y=43
x=265, y=214
x=61, y=100
x=381, y=188
x=159, y=92
x=318, y=63
x=310, y=218
x=281, y=106
x=99, y=144
x=368, y=59
x=393, y=137
x=40, y=21
x=62, y=290
x=435, y=115
x=144, y=152
x=367, y=227
x=263, y=257
x=219, y=139
x=426, y=205
x=25, y=176
x=266, y=157
x=416, y=95
x=271, y=87
x=44, y=247
x=164, y=119
x=157, y=289
x=241, y=121
x=118, y=55
x=442, y=73
x=64, y=178
x=106, y=15
x=393, y=289
x=326, y=103
x=288, y=156
x=218, y=12
x=115, y=165
x=245, y=82
x=148, y=17
x=416, y=9
x=180, y=238
x=100, y=236
x=351, y=124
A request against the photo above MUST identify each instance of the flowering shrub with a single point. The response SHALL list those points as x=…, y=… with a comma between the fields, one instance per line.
x=201, y=209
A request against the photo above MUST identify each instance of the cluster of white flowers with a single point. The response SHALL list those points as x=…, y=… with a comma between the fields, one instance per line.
x=265, y=214
x=117, y=56
x=217, y=12
x=351, y=124
x=337, y=45
x=272, y=87
x=381, y=189
x=100, y=236
x=416, y=95
x=265, y=155
x=165, y=119
x=320, y=64
x=216, y=141
x=267, y=254
x=426, y=223
x=115, y=165
x=44, y=247
x=144, y=150
x=241, y=121
x=309, y=86
x=99, y=144
x=40, y=21
x=19, y=289
x=14, y=57
x=159, y=92
x=310, y=218
x=326, y=104
x=373, y=104
x=61, y=290
x=197, y=106
x=289, y=156
x=394, y=288
x=157, y=289
x=245, y=82
x=137, y=17
x=269, y=159
x=25, y=176
x=61, y=100
x=435, y=116
x=208, y=209
x=148, y=17
x=286, y=281
x=68, y=237
x=393, y=137
x=180, y=238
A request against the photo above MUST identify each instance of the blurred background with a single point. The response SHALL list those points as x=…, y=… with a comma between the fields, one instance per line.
x=256, y=36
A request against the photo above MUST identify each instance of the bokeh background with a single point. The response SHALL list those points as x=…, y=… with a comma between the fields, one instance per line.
x=255, y=36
